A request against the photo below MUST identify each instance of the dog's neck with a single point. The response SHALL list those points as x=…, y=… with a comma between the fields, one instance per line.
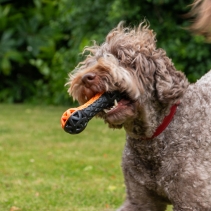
x=147, y=126
x=166, y=121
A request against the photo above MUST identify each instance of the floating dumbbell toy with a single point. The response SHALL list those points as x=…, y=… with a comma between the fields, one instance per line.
x=75, y=120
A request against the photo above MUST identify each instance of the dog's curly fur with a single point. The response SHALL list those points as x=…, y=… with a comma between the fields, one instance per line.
x=201, y=13
x=175, y=167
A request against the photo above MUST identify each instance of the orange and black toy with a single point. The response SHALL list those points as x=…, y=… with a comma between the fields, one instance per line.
x=75, y=120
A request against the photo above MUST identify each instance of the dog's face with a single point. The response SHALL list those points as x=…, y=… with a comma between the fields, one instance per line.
x=107, y=75
x=128, y=62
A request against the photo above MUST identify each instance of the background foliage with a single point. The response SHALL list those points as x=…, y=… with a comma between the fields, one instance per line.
x=40, y=41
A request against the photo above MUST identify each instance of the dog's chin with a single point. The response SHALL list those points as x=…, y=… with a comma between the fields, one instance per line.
x=119, y=114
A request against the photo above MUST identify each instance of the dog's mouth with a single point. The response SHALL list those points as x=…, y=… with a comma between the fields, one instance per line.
x=117, y=114
x=118, y=106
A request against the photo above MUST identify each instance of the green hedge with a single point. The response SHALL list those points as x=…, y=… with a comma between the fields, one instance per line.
x=40, y=41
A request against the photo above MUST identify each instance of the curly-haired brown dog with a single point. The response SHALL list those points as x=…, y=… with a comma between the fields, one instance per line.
x=171, y=165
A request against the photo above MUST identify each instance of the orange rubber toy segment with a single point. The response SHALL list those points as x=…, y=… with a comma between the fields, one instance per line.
x=70, y=111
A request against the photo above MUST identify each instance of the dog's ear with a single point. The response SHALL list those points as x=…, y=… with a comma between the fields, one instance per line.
x=170, y=84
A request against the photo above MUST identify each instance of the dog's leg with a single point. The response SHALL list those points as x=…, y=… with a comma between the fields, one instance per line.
x=190, y=191
x=187, y=208
x=139, y=198
x=128, y=206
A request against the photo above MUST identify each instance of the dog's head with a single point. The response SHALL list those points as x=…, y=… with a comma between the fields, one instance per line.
x=128, y=61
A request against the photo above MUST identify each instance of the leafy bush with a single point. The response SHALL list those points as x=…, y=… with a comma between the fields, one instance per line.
x=40, y=41
x=35, y=52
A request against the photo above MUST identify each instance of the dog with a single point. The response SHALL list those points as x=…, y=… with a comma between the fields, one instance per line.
x=167, y=155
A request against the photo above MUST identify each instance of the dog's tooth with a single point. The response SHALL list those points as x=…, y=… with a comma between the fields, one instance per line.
x=106, y=110
x=115, y=102
x=85, y=97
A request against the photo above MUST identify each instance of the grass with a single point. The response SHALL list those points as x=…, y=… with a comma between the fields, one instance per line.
x=43, y=168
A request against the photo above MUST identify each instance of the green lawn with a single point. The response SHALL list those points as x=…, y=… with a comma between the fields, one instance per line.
x=42, y=168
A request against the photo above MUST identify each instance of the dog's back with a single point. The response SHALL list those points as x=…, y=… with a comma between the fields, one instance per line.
x=205, y=80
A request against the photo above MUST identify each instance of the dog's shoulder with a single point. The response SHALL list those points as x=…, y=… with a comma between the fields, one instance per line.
x=201, y=90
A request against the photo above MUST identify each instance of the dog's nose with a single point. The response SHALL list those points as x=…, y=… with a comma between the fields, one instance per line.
x=88, y=79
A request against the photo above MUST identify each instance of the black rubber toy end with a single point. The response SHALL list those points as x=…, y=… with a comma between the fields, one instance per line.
x=76, y=123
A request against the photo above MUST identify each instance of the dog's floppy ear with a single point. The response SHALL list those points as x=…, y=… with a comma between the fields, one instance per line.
x=170, y=84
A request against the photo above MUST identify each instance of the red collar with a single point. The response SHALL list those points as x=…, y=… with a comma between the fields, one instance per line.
x=166, y=121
